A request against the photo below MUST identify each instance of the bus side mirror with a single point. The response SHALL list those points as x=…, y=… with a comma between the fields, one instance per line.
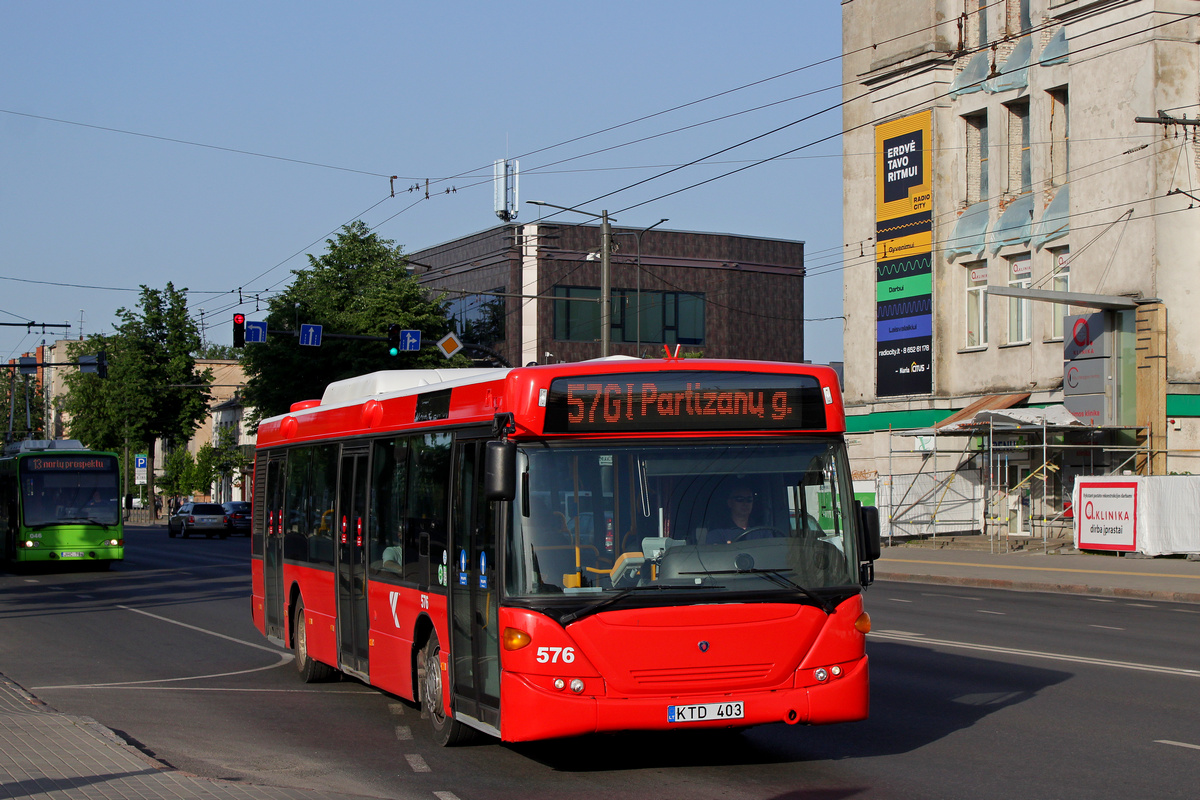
x=500, y=470
x=868, y=531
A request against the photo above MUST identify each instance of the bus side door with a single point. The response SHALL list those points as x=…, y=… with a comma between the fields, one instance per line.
x=352, y=619
x=270, y=527
x=474, y=592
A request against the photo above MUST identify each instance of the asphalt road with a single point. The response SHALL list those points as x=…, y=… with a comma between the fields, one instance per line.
x=980, y=693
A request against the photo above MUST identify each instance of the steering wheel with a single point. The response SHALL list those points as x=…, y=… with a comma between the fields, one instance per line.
x=775, y=532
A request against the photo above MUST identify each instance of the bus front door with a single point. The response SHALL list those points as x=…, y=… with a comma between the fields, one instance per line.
x=352, y=621
x=474, y=590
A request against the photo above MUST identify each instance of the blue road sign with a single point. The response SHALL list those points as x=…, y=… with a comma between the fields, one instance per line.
x=256, y=332
x=410, y=340
x=139, y=462
x=310, y=335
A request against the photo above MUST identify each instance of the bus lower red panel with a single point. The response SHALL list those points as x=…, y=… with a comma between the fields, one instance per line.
x=719, y=665
x=319, y=591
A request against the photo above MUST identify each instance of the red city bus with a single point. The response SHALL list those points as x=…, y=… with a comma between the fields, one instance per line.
x=547, y=551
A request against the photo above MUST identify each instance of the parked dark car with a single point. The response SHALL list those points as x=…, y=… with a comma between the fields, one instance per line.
x=238, y=513
x=206, y=518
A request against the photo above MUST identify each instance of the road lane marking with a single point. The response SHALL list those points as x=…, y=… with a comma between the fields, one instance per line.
x=284, y=658
x=898, y=600
x=396, y=709
x=879, y=564
x=404, y=733
x=274, y=650
x=1177, y=744
x=417, y=763
x=445, y=795
x=1106, y=627
x=997, y=613
x=897, y=636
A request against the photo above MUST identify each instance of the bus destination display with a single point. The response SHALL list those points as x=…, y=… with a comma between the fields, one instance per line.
x=684, y=401
x=72, y=463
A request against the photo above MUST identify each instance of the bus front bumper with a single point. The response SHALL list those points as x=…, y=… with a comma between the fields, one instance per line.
x=532, y=711
x=70, y=554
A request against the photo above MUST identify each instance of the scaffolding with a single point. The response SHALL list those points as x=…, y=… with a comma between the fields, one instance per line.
x=1010, y=480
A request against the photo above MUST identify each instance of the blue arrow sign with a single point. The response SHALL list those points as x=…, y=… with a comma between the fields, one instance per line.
x=410, y=340
x=310, y=335
x=256, y=332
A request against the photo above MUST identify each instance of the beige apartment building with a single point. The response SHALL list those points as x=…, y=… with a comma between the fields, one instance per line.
x=1021, y=179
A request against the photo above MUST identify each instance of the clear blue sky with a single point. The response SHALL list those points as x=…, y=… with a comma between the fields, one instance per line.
x=214, y=144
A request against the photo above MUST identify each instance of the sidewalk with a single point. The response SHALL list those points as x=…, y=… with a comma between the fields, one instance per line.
x=45, y=754
x=1170, y=579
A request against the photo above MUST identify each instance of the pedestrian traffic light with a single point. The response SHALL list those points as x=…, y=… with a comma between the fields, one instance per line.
x=393, y=339
x=239, y=330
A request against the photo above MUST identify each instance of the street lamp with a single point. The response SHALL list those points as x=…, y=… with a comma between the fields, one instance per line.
x=638, y=295
x=605, y=270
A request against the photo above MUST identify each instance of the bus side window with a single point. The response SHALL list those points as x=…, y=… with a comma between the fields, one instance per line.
x=389, y=484
x=429, y=476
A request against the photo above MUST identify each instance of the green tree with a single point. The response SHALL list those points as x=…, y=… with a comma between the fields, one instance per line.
x=212, y=351
x=153, y=391
x=24, y=406
x=179, y=472
x=359, y=287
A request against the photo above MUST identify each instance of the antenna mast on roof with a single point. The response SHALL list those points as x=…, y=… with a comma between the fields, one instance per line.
x=505, y=182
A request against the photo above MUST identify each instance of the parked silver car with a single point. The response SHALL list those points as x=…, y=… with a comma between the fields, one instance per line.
x=207, y=518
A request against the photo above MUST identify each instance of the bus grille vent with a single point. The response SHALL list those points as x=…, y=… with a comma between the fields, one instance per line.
x=727, y=672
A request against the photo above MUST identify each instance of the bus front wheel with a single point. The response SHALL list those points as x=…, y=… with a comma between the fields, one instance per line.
x=446, y=730
x=311, y=670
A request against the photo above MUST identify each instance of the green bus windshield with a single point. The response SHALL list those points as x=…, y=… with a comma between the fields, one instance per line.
x=69, y=488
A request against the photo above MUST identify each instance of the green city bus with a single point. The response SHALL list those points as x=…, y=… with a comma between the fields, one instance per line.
x=59, y=502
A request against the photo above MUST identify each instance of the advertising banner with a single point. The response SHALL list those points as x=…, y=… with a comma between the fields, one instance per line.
x=1106, y=515
x=903, y=256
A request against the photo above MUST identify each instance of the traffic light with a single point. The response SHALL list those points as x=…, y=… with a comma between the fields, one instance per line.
x=239, y=330
x=102, y=364
x=393, y=339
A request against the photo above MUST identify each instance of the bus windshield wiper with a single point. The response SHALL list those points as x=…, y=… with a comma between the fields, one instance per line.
x=608, y=601
x=61, y=520
x=777, y=577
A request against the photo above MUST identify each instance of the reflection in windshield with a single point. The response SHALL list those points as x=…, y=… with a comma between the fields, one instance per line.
x=747, y=516
x=52, y=498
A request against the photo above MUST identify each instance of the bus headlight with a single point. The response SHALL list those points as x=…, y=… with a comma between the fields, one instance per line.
x=31, y=543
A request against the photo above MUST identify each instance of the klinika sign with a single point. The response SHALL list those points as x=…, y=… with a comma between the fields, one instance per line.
x=1106, y=515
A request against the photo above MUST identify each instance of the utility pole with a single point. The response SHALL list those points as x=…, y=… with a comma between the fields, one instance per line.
x=605, y=270
x=605, y=283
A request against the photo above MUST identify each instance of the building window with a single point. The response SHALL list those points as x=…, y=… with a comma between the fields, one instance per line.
x=646, y=317
x=1020, y=173
x=1062, y=283
x=977, y=29
x=977, y=157
x=479, y=318
x=1018, y=16
x=1060, y=137
x=977, y=282
x=1020, y=272
x=577, y=314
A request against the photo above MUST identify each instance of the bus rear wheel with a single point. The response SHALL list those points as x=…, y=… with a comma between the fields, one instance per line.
x=446, y=730
x=311, y=670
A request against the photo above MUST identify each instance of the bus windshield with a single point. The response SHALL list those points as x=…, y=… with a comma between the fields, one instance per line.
x=69, y=489
x=757, y=516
